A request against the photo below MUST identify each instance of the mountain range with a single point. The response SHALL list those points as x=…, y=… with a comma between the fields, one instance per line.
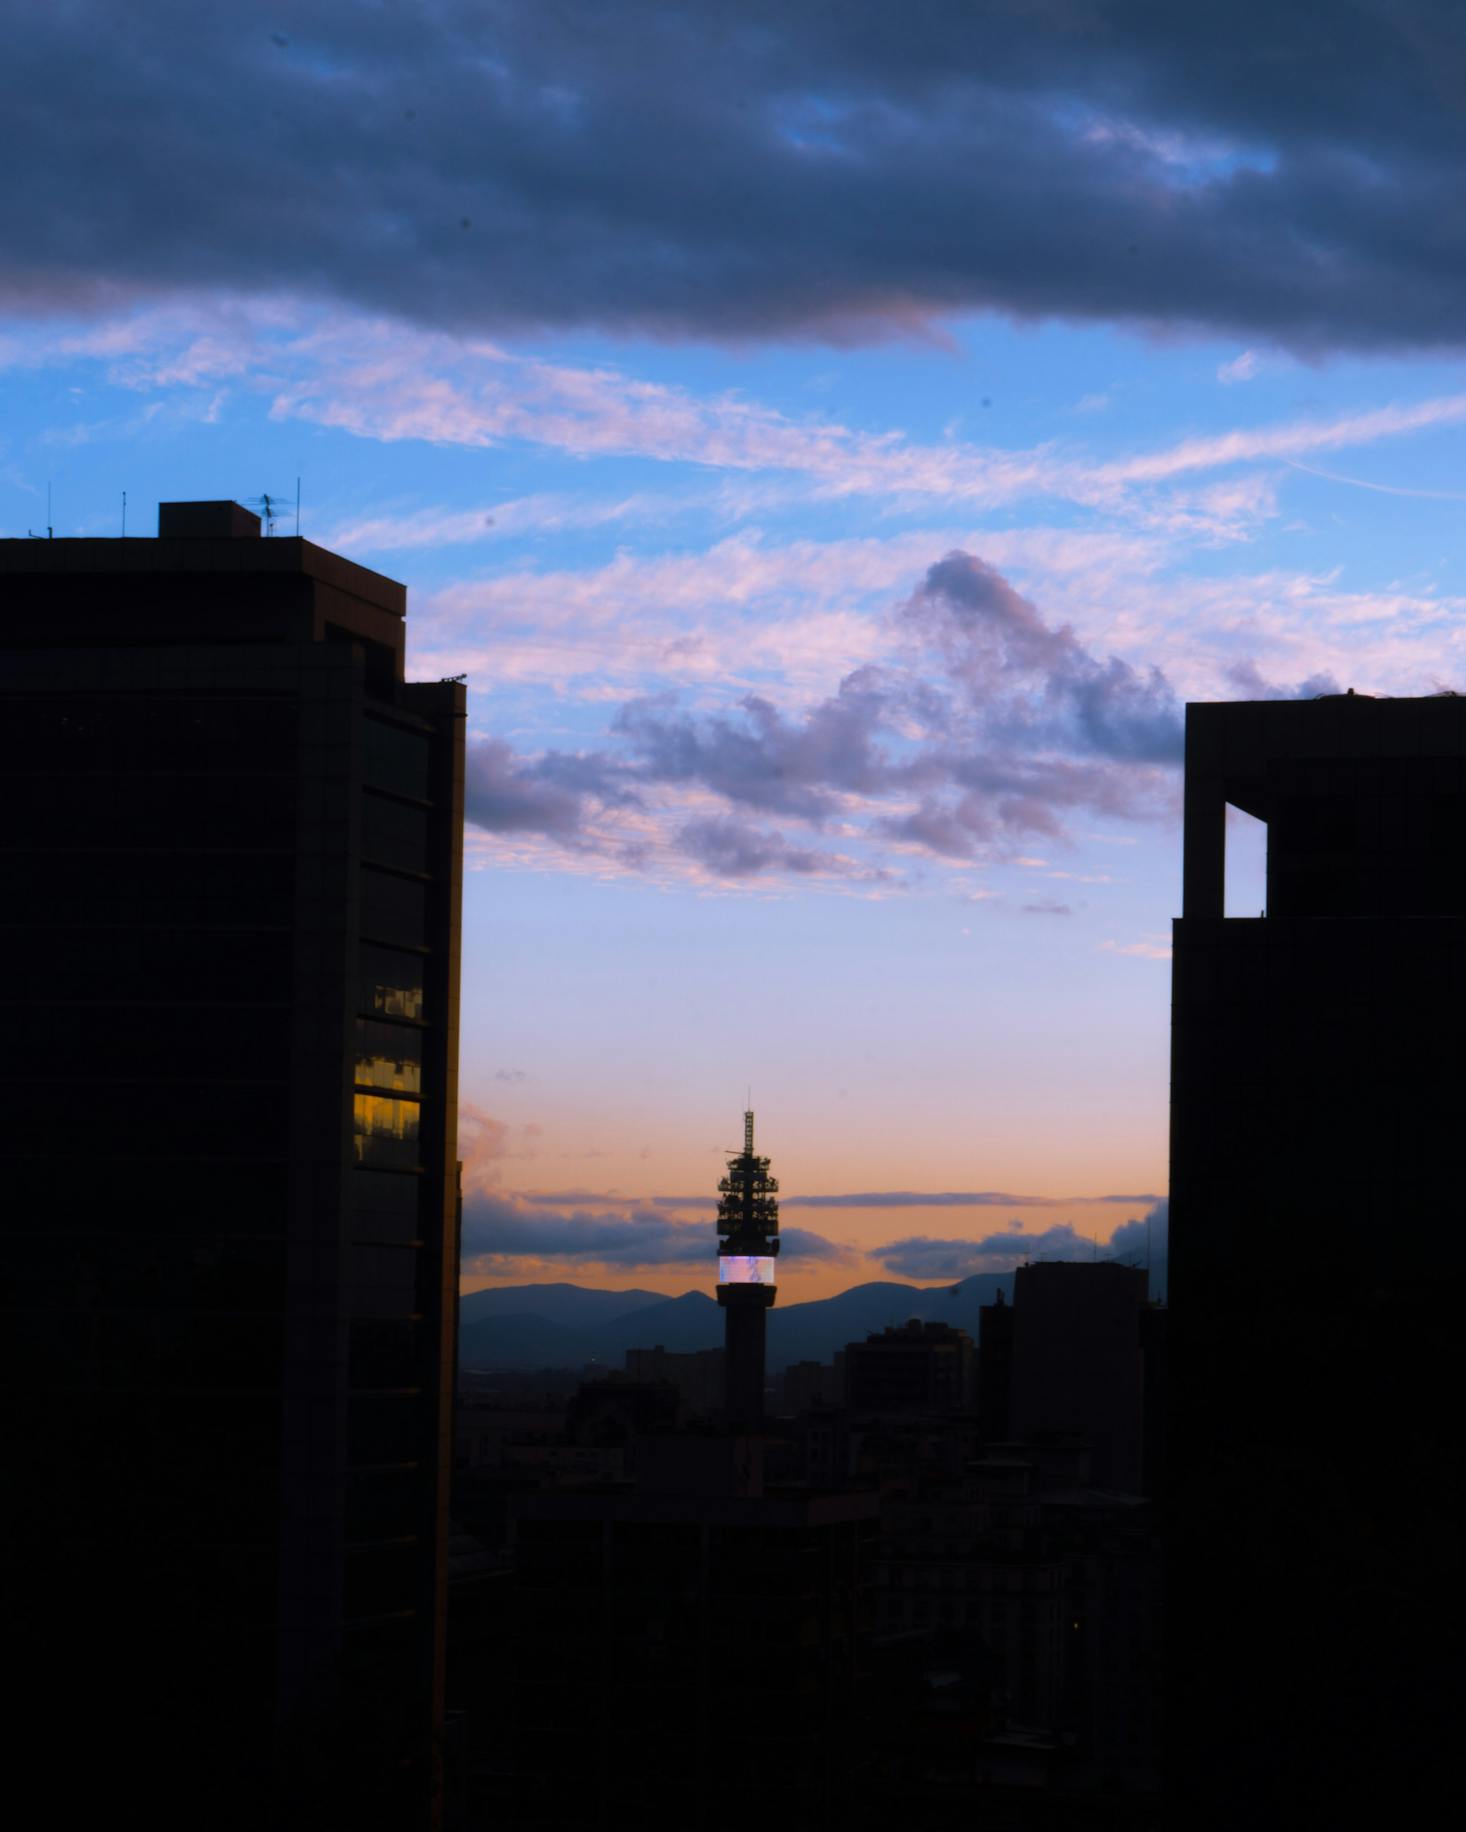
x=544, y=1326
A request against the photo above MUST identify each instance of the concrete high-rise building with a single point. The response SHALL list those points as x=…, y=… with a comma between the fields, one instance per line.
x=233, y=843
x=748, y=1242
x=1314, y=1458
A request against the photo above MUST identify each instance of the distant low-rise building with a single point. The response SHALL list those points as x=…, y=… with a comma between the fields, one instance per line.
x=697, y=1376
x=811, y=1384
x=921, y=1367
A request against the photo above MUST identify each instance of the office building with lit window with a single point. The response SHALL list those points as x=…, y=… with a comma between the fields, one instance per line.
x=233, y=847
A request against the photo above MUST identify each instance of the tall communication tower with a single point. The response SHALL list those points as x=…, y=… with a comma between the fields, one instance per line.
x=748, y=1244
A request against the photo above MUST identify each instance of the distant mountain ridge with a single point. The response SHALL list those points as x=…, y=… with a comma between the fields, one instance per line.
x=541, y=1326
x=572, y=1306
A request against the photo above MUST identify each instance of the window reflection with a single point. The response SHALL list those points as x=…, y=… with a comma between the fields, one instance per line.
x=392, y=983
x=388, y=1057
x=386, y=1129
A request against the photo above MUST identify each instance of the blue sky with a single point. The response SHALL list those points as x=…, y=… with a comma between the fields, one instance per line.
x=827, y=624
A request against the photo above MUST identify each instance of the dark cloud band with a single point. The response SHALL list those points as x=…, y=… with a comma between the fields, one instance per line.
x=499, y=1227
x=686, y=167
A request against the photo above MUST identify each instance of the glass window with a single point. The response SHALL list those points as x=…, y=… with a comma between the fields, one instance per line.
x=394, y=834
x=385, y=1204
x=385, y=1429
x=380, y=1580
x=386, y=1129
x=383, y=1503
x=392, y=983
x=393, y=909
x=396, y=760
x=383, y=1280
x=385, y=1352
x=388, y=1056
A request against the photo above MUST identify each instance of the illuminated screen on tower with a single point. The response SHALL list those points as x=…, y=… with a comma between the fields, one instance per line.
x=745, y=1269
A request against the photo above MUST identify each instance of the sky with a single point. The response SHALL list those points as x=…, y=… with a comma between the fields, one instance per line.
x=835, y=443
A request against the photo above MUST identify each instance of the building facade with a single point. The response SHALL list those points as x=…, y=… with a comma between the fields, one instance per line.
x=1314, y=1449
x=1077, y=1362
x=234, y=841
x=914, y=1367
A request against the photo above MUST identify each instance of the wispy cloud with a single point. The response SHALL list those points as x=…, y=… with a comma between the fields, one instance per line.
x=380, y=380
x=1286, y=441
x=1149, y=948
x=1241, y=368
x=1383, y=489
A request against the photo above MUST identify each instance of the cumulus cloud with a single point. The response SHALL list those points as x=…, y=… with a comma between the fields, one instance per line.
x=689, y=168
x=500, y=1226
x=506, y=794
x=1035, y=684
x=737, y=849
x=1249, y=683
x=922, y=1256
x=990, y=725
x=1149, y=1235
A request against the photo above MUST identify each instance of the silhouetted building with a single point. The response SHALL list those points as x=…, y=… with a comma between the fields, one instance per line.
x=1025, y=1605
x=916, y=1367
x=808, y=1385
x=1315, y=1442
x=616, y=1413
x=697, y=1376
x=687, y=1648
x=233, y=838
x=1155, y=1332
x=995, y=1369
x=748, y=1242
x=1077, y=1365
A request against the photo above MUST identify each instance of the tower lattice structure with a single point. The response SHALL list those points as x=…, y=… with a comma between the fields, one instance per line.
x=748, y=1245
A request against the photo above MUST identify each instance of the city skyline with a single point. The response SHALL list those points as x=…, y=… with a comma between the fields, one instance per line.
x=824, y=658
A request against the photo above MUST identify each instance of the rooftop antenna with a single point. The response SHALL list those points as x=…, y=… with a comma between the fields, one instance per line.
x=271, y=509
x=50, y=530
x=297, y=508
x=124, y=515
